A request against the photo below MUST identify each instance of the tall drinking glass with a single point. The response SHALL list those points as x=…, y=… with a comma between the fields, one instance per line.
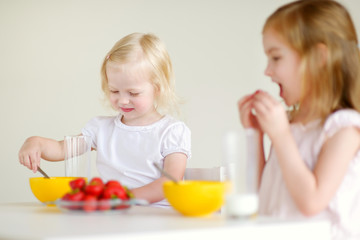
x=77, y=156
x=241, y=159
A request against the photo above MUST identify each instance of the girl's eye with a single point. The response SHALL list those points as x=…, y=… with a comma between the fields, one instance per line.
x=113, y=91
x=276, y=58
x=134, y=94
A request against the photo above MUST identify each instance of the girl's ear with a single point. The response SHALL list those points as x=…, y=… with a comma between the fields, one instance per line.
x=323, y=53
x=157, y=92
x=156, y=89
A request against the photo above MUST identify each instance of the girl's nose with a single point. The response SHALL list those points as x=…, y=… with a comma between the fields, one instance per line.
x=268, y=71
x=123, y=100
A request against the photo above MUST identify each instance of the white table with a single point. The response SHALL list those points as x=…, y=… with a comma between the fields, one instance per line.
x=37, y=221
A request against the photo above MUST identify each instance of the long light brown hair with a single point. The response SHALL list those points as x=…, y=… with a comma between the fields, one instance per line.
x=329, y=83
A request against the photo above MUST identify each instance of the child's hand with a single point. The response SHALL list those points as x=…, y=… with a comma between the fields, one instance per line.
x=270, y=114
x=247, y=117
x=30, y=153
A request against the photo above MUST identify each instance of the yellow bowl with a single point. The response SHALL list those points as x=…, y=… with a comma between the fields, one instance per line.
x=195, y=198
x=50, y=189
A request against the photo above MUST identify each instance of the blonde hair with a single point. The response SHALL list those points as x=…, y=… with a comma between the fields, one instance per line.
x=331, y=84
x=150, y=54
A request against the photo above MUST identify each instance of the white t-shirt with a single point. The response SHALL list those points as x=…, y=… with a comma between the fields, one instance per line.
x=127, y=153
x=344, y=208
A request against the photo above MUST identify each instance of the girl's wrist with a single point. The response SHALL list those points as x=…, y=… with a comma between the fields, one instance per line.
x=253, y=131
x=281, y=136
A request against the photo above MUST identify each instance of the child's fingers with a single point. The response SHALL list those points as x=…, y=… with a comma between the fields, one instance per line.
x=266, y=100
x=270, y=99
x=35, y=161
x=244, y=105
x=246, y=115
x=25, y=160
x=260, y=104
x=21, y=159
x=245, y=108
x=244, y=100
x=260, y=108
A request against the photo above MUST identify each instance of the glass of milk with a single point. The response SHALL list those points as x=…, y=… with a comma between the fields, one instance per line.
x=241, y=161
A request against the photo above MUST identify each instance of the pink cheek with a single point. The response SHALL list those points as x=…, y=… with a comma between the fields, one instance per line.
x=113, y=102
x=140, y=106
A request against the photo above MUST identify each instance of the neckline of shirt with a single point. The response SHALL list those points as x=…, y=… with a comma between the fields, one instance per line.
x=120, y=124
x=306, y=126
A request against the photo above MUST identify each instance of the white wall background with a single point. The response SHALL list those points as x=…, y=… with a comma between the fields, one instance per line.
x=51, y=52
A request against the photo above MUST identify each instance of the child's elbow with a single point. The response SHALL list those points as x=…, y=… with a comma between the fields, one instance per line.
x=311, y=208
x=308, y=212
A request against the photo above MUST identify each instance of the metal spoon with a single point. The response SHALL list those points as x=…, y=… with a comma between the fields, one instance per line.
x=165, y=173
x=42, y=172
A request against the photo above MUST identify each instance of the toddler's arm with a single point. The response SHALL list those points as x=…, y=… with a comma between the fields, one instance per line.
x=35, y=148
x=175, y=165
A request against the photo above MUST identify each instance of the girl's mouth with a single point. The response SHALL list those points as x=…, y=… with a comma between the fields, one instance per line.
x=126, y=109
x=281, y=91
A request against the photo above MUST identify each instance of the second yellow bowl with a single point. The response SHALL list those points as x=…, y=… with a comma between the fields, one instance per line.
x=195, y=198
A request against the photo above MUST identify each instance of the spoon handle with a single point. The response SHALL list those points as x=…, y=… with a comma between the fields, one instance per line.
x=165, y=173
x=42, y=172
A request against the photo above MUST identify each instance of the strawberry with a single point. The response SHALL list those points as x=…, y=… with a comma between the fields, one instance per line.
x=113, y=183
x=74, y=196
x=122, y=206
x=95, y=187
x=90, y=202
x=78, y=183
x=114, y=192
x=104, y=204
x=96, y=181
x=66, y=197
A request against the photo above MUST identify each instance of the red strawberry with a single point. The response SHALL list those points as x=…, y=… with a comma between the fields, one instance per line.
x=78, y=183
x=90, y=203
x=104, y=204
x=95, y=187
x=115, y=192
x=74, y=196
x=113, y=183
